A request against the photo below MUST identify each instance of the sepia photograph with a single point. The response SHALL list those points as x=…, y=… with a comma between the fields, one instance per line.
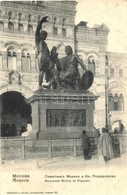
x=63, y=97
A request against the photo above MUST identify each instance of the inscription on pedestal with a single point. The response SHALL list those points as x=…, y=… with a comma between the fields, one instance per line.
x=65, y=117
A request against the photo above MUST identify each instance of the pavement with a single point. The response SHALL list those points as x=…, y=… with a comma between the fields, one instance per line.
x=62, y=163
x=80, y=176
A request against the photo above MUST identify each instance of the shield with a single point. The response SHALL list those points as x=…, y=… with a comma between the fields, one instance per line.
x=87, y=80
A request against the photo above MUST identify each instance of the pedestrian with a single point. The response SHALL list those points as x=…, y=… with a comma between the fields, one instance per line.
x=105, y=145
x=116, y=144
x=85, y=145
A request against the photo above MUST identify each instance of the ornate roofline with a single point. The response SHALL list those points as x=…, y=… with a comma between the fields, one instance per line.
x=46, y=8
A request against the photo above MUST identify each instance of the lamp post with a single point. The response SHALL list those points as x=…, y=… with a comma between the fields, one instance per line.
x=106, y=92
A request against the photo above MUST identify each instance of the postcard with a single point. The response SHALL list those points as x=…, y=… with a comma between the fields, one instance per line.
x=63, y=94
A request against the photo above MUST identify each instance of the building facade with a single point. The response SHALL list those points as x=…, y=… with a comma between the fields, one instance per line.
x=19, y=67
x=91, y=45
x=117, y=76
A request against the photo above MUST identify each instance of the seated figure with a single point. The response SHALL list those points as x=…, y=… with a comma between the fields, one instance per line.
x=69, y=68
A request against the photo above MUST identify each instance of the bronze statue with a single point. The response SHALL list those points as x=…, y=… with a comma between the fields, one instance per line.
x=69, y=74
x=45, y=63
x=59, y=73
x=52, y=75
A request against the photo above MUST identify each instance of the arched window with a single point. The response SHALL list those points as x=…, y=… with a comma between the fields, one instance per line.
x=121, y=102
x=34, y=2
x=55, y=30
x=112, y=72
x=11, y=26
x=91, y=64
x=26, y=62
x=12, y=60
x=30, y=28
x=63, y=21
x=1, y=25
x=64, y=32
x=116, y=102
x=120, y=73
x=21, y=27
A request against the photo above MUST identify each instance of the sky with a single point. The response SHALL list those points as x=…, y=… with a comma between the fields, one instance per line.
x=111, y=12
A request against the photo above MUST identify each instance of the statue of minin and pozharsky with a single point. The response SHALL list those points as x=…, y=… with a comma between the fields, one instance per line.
x=56, y=112
x=59, y=73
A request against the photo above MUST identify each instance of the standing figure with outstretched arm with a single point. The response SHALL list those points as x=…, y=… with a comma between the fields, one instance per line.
x=44, y=59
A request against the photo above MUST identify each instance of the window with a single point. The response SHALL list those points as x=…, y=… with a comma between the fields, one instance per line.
x=26, y=62
x=63, y=32
x=91, y=64
x=121, y=102
x=54, y=31
x=21, y=27
x=120, y=73
x=63, y=21
x=11, y=26
x=111, y=102
x=116, y=106
x=1, y=26
x=116, y=102
x=30, y=28
x=112, y=72
x=12, y=60
x=34, y=2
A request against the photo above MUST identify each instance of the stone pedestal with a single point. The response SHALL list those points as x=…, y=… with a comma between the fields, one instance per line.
x=61, y=114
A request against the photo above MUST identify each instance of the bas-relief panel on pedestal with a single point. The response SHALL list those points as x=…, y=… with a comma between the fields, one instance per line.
x=65, y=117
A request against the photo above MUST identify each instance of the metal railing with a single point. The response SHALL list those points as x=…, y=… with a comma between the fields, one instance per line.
x=17, y=147
x=23, y=148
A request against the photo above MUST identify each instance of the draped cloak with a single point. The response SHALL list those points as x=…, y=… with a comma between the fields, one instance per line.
x=106, y=146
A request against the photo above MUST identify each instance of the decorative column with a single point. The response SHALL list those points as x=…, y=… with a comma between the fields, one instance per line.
x=33, y=63
x=16, y=25
x=59, y=29
x=4, y=54
x=97, y=67
x=19, y=64
x=69, y=31
x=25, y=24
x=5, y=24
x=34, y=27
